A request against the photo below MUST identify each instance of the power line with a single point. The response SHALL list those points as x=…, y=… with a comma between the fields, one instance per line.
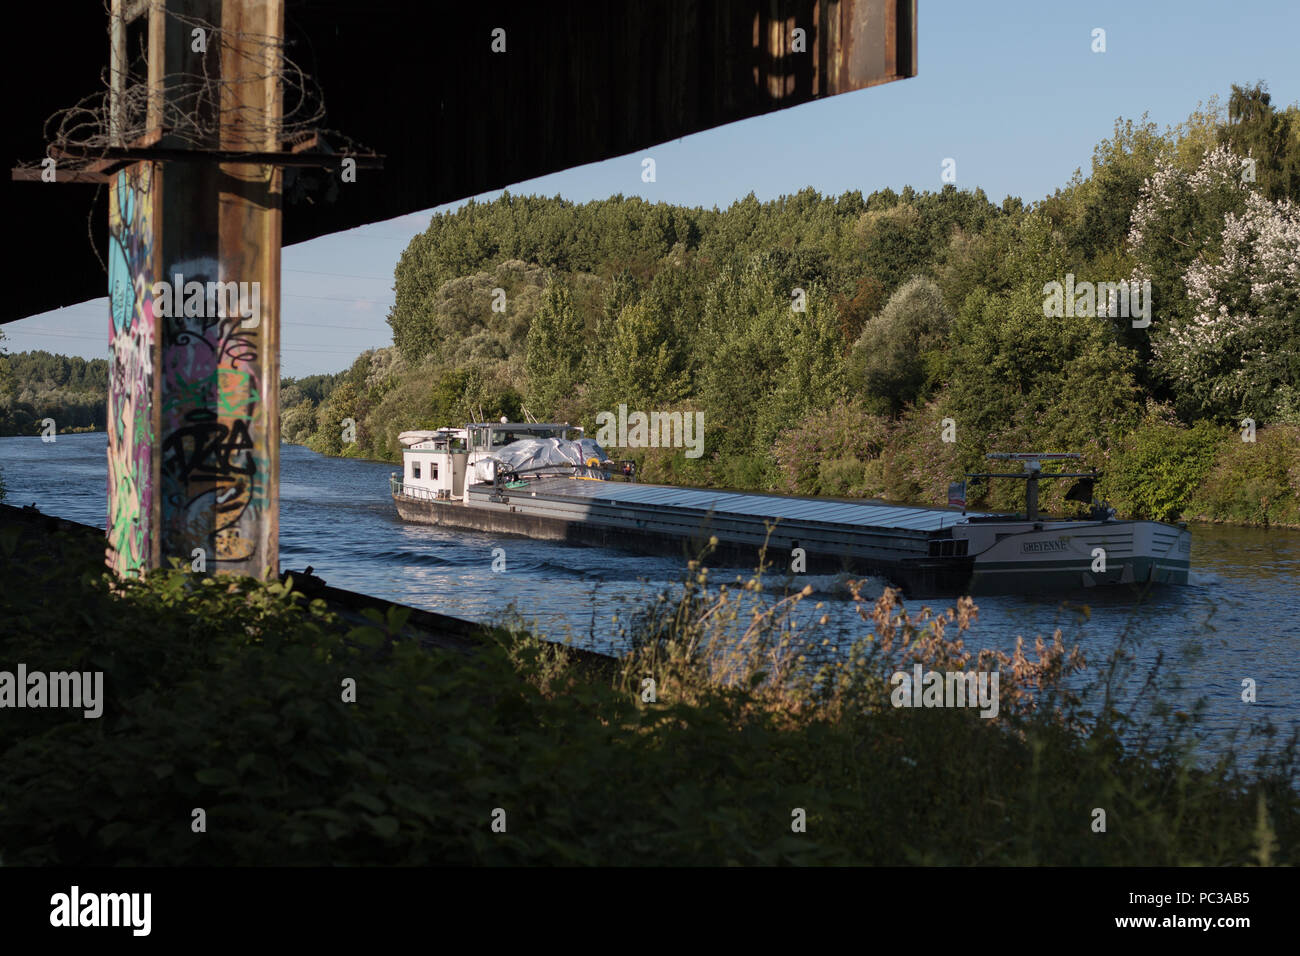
x=341, y=275
x=326, y=325
x=334, y=298
x=333, y=351
x=283, y=348
x=285, y=323
x=313, y=325
x=283, y=294
x=66, y=335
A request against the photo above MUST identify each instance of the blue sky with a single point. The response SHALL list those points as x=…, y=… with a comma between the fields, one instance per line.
x=1010, y=90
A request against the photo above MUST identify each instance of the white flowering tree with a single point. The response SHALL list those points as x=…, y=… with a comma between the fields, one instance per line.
x=1225, y=269
x=1240, y=351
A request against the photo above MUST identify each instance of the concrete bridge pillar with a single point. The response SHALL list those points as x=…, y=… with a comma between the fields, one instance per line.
x=194, y=291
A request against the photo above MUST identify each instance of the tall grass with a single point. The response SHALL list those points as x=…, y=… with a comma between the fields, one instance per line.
x=946, y=785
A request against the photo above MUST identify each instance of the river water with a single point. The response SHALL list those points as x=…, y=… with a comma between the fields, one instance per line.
x=1235, y=620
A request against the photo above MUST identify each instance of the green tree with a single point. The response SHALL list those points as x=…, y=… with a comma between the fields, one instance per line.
x=1093, y=213
x=332, y=420
x=1256, y=130
x=896, y=359
x=641, y=361
x=1018, y=377
x=556, y=347
x=1239, y=351
x=763, y=367
x=1156, y=468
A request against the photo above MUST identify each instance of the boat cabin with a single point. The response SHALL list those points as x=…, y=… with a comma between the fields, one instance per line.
x=434, y=462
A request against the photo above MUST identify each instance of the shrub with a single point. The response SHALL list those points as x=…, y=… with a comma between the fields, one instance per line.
x=1155, y=470
x=1253, y=482
x=827, y=453
x=916, y=464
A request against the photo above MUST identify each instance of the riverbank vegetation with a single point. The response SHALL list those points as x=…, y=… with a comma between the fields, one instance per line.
x=834, y=343
x=228, y=695
x=38, y=385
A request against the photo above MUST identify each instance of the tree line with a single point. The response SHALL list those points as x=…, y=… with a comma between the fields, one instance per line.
x=38, y=385
x=881, y=345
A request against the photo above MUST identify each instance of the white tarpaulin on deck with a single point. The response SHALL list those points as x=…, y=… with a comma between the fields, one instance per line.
x=542, y=456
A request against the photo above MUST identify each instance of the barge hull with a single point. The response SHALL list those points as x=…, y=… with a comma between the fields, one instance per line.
x=918, y=576
x=922, y=551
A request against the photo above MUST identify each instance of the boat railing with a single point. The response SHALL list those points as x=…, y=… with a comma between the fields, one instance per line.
x=398, y=487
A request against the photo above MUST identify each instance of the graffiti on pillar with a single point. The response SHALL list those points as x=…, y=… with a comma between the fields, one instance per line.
x=214, y=477
x=130, y=388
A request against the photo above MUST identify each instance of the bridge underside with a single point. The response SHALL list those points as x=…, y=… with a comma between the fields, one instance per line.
x=418, y=82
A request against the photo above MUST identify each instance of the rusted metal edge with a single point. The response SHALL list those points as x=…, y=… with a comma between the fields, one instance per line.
x=125, y=155
x=35, y=174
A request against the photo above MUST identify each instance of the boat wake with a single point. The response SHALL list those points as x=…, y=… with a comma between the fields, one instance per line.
x=1204, y=579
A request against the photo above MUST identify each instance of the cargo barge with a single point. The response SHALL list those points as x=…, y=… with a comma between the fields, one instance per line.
x=547, y=481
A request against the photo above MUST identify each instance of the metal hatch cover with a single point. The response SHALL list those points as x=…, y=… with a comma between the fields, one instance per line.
x=858, y=514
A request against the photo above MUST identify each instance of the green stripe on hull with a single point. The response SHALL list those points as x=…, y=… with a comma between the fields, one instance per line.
x=1060, y=574
x=1077, y=564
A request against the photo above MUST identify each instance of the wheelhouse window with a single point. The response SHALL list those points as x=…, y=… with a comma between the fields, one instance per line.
x=415, y=469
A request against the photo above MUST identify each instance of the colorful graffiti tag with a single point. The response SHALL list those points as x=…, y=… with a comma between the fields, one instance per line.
x=214, y=478
x=193, y=433
x=131, y=337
